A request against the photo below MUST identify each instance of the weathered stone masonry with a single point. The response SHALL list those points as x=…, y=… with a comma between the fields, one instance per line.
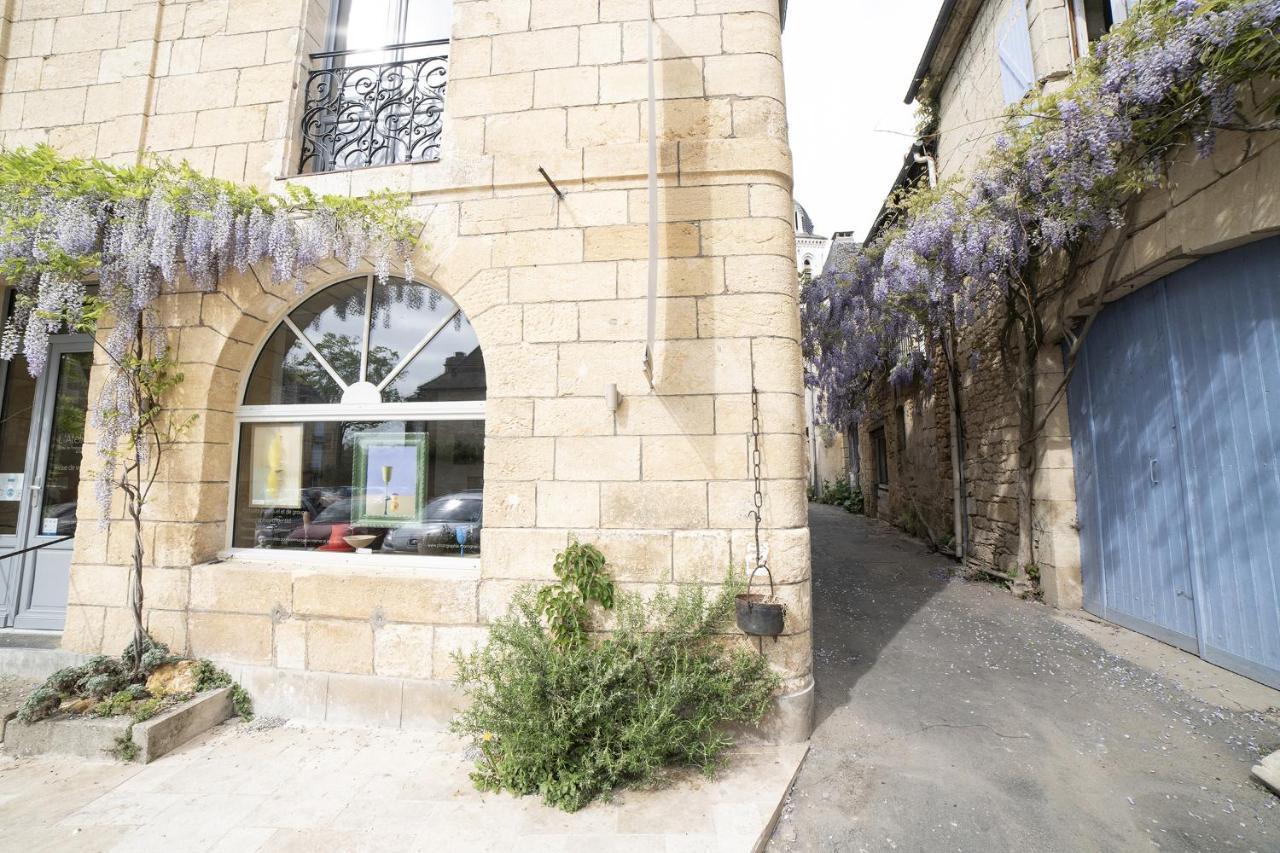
x=555, y=290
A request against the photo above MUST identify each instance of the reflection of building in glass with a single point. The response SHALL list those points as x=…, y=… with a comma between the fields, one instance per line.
x=462, y=376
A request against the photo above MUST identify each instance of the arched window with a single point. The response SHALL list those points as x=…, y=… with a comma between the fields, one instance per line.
x=362, y=427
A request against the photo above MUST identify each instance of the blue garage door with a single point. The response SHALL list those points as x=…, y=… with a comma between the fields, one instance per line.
x=1175, y=414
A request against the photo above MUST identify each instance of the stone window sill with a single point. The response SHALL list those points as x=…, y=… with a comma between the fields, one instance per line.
x=460, y=568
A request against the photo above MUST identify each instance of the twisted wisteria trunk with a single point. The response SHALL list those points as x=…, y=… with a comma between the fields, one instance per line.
x=1027, y=457
x=135, y=499
x=958, y=515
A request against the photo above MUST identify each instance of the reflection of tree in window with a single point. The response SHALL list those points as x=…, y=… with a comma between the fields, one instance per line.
x=343, y=354
x=417, y=345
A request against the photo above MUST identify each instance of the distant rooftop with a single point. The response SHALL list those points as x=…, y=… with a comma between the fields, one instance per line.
x=843, y=247
x=804, y=222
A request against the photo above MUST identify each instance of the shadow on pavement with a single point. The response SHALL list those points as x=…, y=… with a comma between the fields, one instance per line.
x=869, y=580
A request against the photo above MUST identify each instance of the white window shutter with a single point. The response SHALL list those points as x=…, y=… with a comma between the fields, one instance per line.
x=1119, y=11
x=1013, y=46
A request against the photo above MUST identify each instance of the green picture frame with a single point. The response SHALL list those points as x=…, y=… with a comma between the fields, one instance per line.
x=388, y=486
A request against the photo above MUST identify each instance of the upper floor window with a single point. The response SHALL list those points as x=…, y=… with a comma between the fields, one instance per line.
x=375, y=96
x=1095, y=18
x=363, y=29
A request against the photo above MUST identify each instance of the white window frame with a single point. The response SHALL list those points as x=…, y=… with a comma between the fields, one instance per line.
x=459, y=410
x=1119, y=13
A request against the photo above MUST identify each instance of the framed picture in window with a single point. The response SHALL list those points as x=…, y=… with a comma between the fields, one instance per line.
x=276, y=466
x=390, y=473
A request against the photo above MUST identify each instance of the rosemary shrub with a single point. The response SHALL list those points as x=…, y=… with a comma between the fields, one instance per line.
x=572, y=722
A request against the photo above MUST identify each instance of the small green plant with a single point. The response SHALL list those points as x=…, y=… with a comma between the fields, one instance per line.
x=840, y=493
x=148, y=708
x=125, y=749
x=119, y=686
x=209, y=677
x=580, y=569
x=1032, y=588
x=120, y=702
x=571, y=723
x=855, y=503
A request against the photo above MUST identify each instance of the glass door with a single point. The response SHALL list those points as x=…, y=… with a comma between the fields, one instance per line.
x=38, y=500
x=17, y=409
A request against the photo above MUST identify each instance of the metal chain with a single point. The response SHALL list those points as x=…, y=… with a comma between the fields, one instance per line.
x=755, y=471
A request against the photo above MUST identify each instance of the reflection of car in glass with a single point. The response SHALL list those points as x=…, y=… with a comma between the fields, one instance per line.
x=317, y=531
x=65, y=513
x=309, y=526
x=439, y=527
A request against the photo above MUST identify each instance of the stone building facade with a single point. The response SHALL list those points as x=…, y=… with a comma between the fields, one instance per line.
x=1207, y=206
x=552, y=289
x=825, y=446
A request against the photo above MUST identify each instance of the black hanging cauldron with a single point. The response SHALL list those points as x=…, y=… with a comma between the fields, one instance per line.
x=759, y=615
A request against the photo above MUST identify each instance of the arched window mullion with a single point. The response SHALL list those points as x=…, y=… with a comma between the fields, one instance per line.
x=368, y=326
x=315, y=353
x=419, y=347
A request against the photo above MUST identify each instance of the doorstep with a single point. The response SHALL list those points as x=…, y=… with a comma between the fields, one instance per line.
x=34, y=654
x=14, y=638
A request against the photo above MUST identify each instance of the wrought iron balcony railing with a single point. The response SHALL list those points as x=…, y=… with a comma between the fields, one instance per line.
x=373, y=113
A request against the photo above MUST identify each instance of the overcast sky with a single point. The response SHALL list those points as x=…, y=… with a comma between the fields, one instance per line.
x=848, y=65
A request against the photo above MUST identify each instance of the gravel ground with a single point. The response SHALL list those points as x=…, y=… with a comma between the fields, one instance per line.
x=953, y=717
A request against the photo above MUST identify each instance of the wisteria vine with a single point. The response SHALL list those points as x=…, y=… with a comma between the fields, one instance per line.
x=1059, y=177
x=138, y=232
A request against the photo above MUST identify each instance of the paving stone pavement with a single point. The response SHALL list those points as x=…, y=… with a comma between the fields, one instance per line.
x=954, y=717
x=306, y=788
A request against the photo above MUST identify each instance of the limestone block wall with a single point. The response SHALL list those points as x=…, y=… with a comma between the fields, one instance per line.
x=555, y=289
x=828, y=455
x=210, y=81
x=969, y=101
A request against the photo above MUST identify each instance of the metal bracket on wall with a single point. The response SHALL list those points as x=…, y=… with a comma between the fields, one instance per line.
x=551, y=183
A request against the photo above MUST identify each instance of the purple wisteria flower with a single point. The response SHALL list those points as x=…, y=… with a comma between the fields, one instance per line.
x=141, y=232
x=1050, y=184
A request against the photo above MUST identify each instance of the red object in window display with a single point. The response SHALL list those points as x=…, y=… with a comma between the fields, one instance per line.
x=336, y=541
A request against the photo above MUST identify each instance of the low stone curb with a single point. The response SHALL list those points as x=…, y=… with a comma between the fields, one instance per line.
x=1267, y=771
x=96, y=738
x=166, y=732
x=792, y=755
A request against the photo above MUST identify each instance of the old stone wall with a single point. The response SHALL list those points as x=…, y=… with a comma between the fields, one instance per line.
x=1205, y=206
x=555, y=289
x=969, y=104
x=918, y=441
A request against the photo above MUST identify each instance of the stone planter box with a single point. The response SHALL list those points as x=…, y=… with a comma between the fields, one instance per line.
x=1267, y=771
x=96, y=737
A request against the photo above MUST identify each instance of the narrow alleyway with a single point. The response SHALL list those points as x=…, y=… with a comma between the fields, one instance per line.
x=952, y=717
